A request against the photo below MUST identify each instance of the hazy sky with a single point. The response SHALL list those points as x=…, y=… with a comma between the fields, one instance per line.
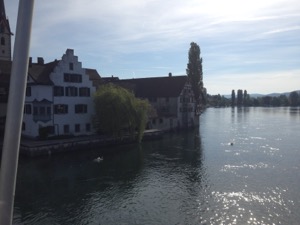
x=249, y=44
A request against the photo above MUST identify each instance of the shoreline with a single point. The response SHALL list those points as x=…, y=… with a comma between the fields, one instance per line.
x=33, y=148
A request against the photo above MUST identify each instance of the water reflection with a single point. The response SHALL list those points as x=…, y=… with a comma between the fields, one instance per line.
x=153, y=183
x=251, y=180
x=185, y=178
x=294, y=111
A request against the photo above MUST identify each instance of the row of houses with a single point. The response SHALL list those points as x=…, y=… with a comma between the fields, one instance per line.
x=59, y=97
x=59, y=94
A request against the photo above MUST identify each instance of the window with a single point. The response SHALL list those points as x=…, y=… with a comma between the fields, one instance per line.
x=35, y=110
x=77, y=128
x=84, y=91
x=152, y=99
x=42, y=111
x=60, y=109
x=50, y=129
x=66, y=129
x=183, y=109
x=88, y=127
x=27, y=109
x=58, y=91
x=71, y=91
x=23, y=126
x=71, y=66
x=28, y=91
x=2, y=41
x=73, y=78
x=81, y=108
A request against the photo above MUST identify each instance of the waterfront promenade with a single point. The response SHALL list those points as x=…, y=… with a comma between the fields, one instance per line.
x=35, y=147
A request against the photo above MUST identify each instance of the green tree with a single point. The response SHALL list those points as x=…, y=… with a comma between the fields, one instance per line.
x=194, y=72
x=119, y=112
x=239, y=101
x=294, y=98
x=233, y=98
x=275, y=101
x=246, y=99
x=266, y=100
x=284, y=101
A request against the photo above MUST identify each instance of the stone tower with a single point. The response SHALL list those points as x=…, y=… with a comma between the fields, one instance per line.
x=5, y=34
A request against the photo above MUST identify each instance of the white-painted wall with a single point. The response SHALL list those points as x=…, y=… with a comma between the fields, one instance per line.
x=73, y=118
x=176, y=105
x=40, y=92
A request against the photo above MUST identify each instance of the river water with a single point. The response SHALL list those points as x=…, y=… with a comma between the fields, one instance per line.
x=185, y=178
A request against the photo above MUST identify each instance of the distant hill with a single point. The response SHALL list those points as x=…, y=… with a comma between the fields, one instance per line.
x=255, y=95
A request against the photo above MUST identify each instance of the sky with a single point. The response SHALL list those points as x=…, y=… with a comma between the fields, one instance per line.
x=252, y=45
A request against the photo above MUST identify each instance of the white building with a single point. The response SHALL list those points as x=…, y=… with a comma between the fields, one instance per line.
x=59, y=98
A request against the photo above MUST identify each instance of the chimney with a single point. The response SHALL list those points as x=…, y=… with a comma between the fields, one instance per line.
x=40, y=61
x=170, y=74
x=70, y=51
x=30, y=62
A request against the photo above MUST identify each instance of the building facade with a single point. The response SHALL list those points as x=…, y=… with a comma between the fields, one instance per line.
x=171, y=97
x=59, y=94
x=58, y=98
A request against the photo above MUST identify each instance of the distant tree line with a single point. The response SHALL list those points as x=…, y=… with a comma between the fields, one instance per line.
x=242, y=98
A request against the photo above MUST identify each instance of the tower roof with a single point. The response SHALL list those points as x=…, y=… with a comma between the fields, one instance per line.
x=2, y=9
x=4, y=23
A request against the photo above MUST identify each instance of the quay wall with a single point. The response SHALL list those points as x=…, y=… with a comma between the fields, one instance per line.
x=48, y=147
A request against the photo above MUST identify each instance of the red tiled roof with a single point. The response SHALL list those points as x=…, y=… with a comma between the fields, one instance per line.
x=94, y=76
x=40, y=72
x=155, y=86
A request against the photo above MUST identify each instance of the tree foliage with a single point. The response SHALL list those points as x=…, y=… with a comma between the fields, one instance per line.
x=233, y=98
x=244, y=99
x=119, y=112
x=240, y=97
x=194, y=72
x=294, y=98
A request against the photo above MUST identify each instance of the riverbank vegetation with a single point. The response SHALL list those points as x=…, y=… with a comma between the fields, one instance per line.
x=118, y=112
x=244, y=99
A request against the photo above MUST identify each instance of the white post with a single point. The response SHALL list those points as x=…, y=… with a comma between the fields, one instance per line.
x=10, y=151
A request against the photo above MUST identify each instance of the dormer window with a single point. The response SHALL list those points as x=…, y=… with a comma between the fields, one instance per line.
x=71, y=66
x=2, y=41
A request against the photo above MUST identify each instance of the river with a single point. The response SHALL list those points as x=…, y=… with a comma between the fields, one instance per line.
x=242, y=167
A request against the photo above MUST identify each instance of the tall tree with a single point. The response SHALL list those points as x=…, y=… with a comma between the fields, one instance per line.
x=239, y=101
x=233, y=98
x=194, y=72
x=246, y=98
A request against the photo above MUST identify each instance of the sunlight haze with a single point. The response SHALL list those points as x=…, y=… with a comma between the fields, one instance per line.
x=252, y=45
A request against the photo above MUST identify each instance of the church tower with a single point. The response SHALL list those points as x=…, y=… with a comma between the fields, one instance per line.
x=5, y=34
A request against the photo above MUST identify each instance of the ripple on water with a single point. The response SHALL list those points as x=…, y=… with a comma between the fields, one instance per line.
x=231, y=168
x=247, y=207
